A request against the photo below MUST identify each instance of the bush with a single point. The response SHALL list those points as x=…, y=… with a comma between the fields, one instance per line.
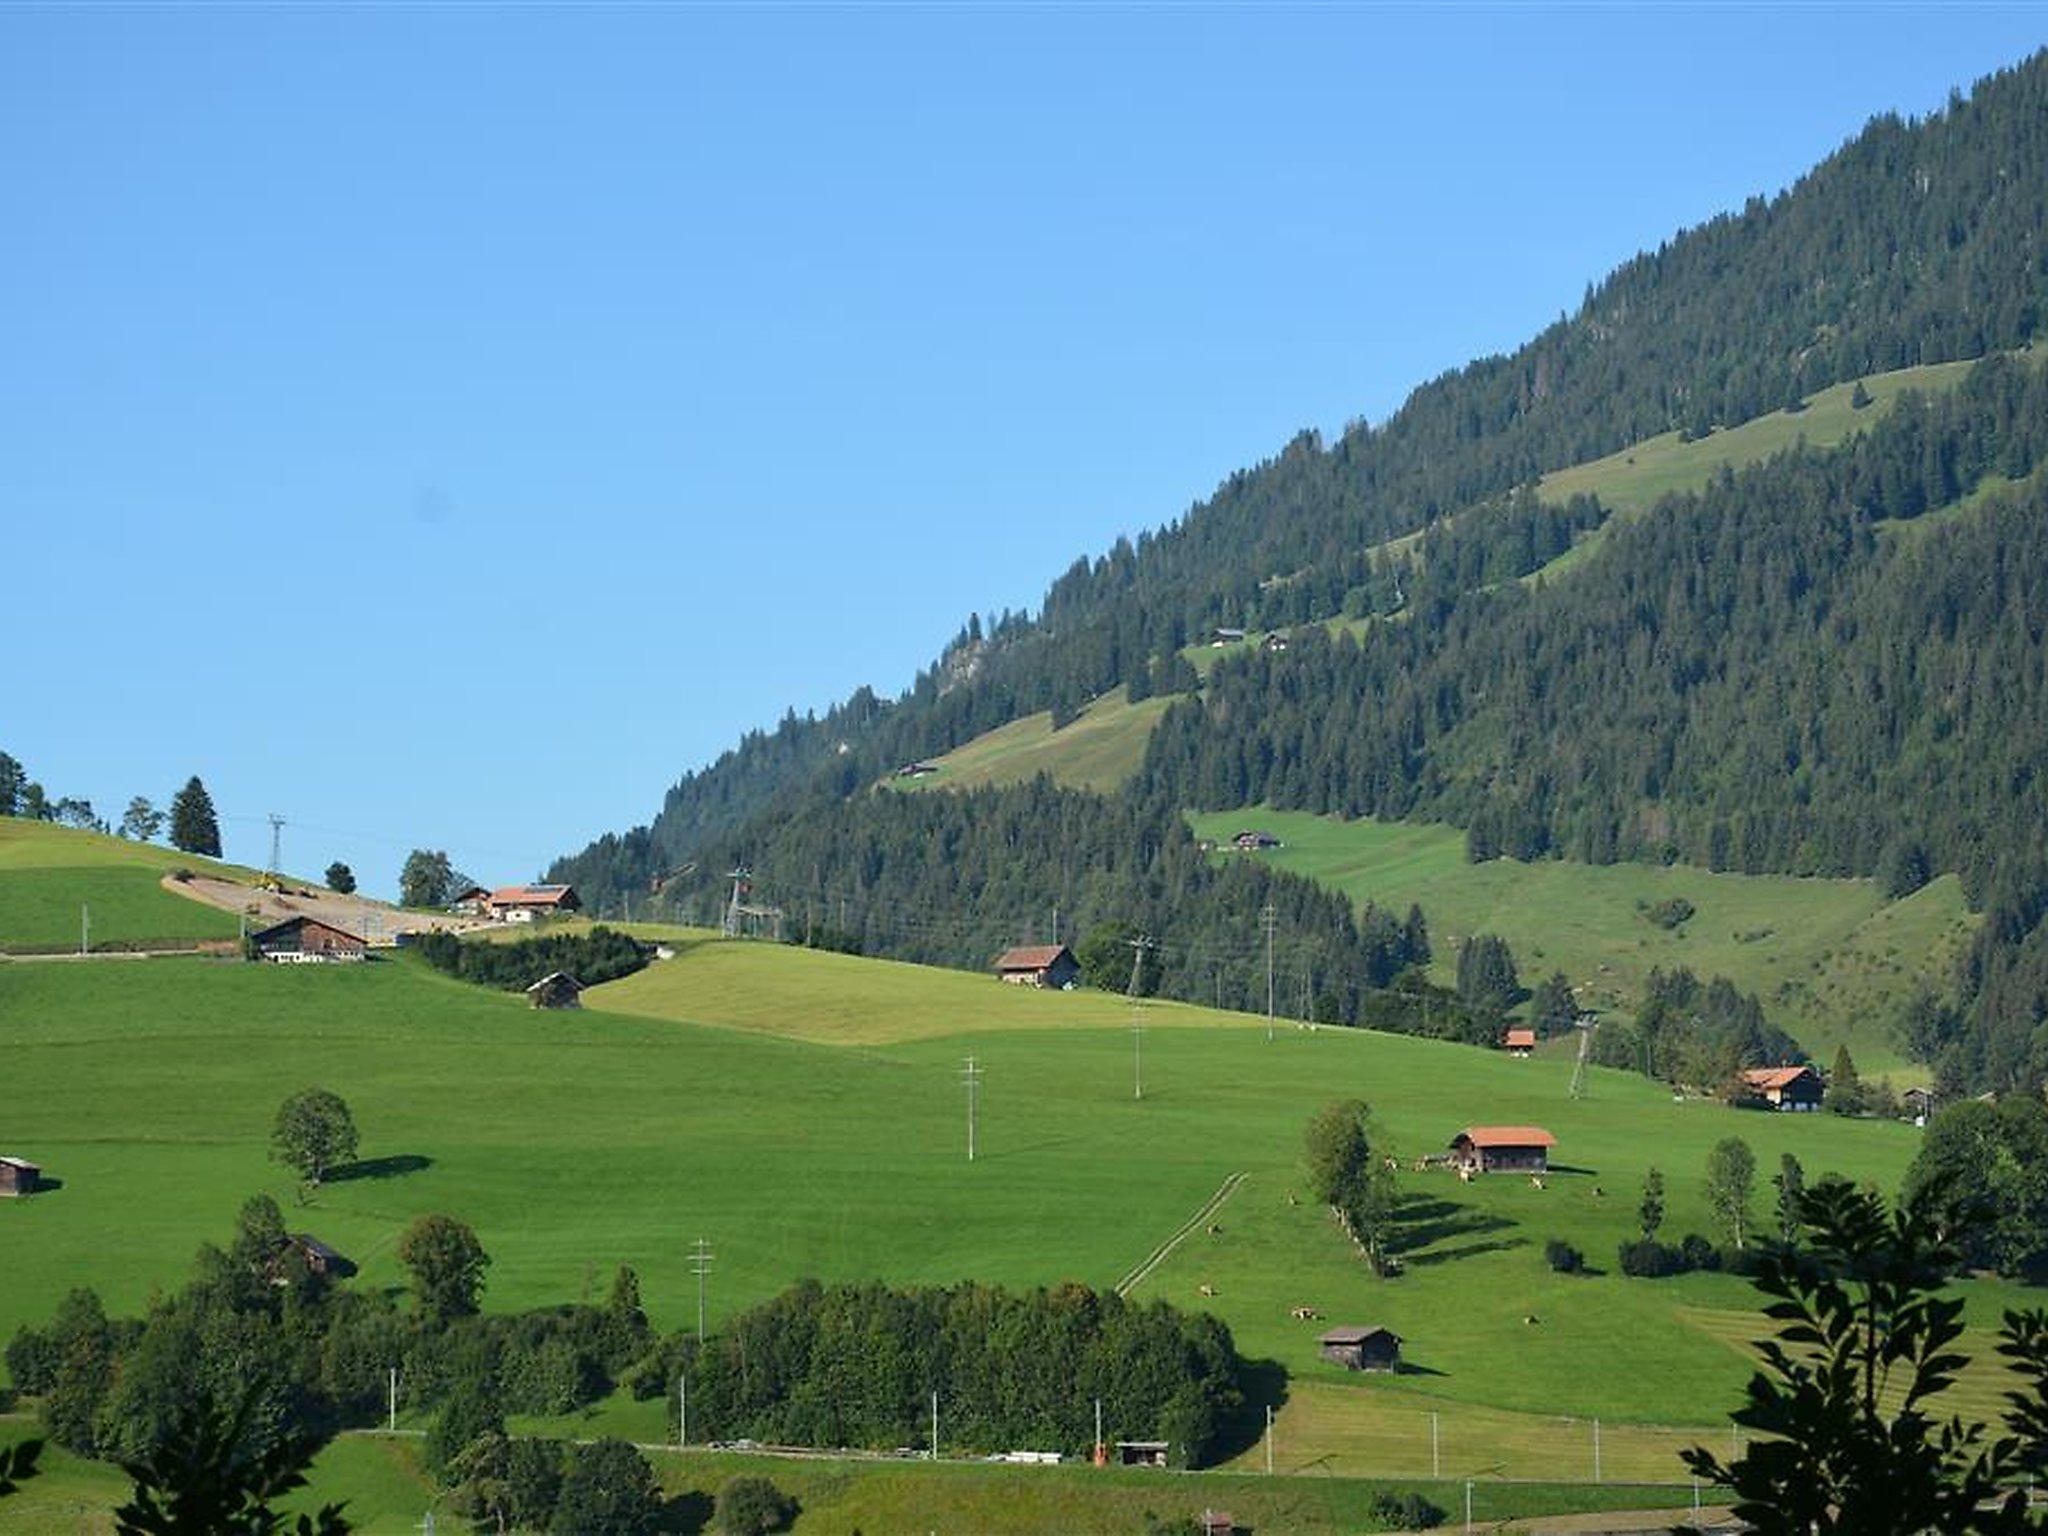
x=753, y=1506
x=1670, y=912
x=1645, y=1258
x=1696, y=1252
x=1563, y=1257
x=1406, y=1512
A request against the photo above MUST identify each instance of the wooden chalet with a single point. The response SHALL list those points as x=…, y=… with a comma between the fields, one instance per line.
x=1275, y=643
x=1039, y=965
x=1792, y=1089
x=1362, y=1348
x=302, y=940
x=1918, y=1104
x=1518, y=1042
x=1141, y=1453
x=1225, y=635
x=557, y=989
x=1502, y=1149
x=1251, y=841
x=917, y=770
x=523, y=903
x=473, y=901
x=18, y=1177
x=318, y=1258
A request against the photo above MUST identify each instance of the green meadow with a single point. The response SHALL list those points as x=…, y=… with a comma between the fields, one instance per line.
x=1098, y=749
x=1832, y=959
x=47, y=873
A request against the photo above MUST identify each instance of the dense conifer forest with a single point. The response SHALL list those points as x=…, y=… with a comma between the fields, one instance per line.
x=1831, y=663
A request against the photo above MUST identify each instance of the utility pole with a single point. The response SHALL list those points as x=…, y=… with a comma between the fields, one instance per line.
x=1436, y=1465
x=1100, y=1456
x=682, y=1409
x=1055, y=922
x=276, y=831
x=1269, y=1439
x=935, y=1426
x=391, y=1409
x=1138, y=947
x=1596, y=1450
x=740, y=876
x=1271, y=919
x=700, y=1264
x=84, y=928
x=1137, y=1053
x=1468, y=1506
x=971, y=1076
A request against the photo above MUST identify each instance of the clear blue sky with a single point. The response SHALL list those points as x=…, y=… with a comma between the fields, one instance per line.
x=446, y=425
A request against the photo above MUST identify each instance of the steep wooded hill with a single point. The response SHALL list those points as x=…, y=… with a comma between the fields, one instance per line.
x=1777, y=673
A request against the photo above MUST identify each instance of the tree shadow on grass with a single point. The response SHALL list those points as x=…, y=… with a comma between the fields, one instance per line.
x=379, y=1168
x=44, y=1185
x=1464, y=1251
x=1265, y=1386
x=1421, y=1221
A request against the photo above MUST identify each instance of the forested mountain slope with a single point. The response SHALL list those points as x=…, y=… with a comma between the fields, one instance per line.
x=1766, y=675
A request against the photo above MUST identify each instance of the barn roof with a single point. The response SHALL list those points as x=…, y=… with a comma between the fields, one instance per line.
x=1029, y=957
x=532, y=895
x=1775, y=1077
x=1506, y=1136
x=293, y=924
x=553, y=977
x=1521, y=1037
x=22, y=1163
x=311, y=1244
x=1355, y=1334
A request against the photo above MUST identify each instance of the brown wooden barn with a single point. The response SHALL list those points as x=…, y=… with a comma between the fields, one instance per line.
x=1039, y=965
x=318, y=1258
x=1795, y=1089
x=18, y=1177
x=1370, y=1348
x=299, y=939
x=1502, y=1149
x=471, y=901
x=557, y=989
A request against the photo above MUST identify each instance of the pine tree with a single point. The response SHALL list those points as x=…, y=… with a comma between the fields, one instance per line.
x=194, y=828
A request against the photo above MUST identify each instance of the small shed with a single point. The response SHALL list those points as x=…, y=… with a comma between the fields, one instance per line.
x=1791, y=1089
x=1217, y=1522
x=18, y=1177
x=557, y=989
x=318, y=1258
x=302, y=939
x=1251, y=841
x=1141, y=1453
x=1918, y=1104
x=1519, y=1042
x=1226, y=634
x=1039, y=965
x=1370, y=1348
x=1502, y=1149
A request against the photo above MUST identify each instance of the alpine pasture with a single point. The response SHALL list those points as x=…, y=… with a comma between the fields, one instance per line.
x=805, y=1114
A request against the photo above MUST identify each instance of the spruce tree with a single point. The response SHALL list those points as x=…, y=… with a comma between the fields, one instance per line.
x=1845, y=1088
x=194, y=827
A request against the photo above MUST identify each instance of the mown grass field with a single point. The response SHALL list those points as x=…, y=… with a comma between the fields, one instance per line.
x=1832, y=959
x=1098, y=749
x=48, y=872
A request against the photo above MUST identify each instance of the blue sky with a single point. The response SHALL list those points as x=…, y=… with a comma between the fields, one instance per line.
x=444, y=426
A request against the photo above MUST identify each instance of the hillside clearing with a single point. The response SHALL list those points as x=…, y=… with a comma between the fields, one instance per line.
x=1830, y=958
x=1099, y=749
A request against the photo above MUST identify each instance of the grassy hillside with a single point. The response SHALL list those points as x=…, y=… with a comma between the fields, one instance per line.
x=1098, y=749
x=578, y=1140
x=1831, y=958
x=1637, y=477
x=47, y=872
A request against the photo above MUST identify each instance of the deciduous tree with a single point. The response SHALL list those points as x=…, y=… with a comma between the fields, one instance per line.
x=1731, y=1179
x=447, y=1264
x=313, y=1133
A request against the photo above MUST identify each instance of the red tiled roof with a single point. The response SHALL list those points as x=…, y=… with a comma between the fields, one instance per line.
x=1521, y=1037
x=1507, y=1136
x=1773, y=1077
x=1029, y=957
x=531, y=895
